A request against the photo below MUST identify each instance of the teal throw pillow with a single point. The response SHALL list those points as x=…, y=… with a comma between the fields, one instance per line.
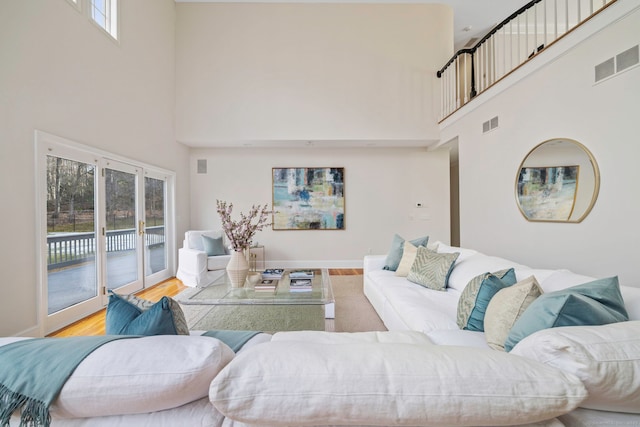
x=213, y=246
x=397, y=249
x=476, y=296
x=431, y=269
x=594, y=303
x=125, y=318
x=178, y=315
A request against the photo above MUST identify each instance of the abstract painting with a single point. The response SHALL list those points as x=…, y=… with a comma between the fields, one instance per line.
x=308, y=199
x=548, y=193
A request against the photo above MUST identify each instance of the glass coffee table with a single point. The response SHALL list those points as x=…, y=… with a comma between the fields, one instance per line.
x=221, y=306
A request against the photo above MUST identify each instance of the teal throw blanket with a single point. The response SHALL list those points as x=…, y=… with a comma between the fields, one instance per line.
x=33, y=371
x=234, y=339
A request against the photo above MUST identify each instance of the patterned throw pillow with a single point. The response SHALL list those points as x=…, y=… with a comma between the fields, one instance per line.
x=506, y=307
x=431, y=269
x=475, y=297
x=395, y=252
x=164, y=316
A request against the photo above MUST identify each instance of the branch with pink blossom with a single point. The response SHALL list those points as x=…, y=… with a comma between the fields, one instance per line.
x=240, y=233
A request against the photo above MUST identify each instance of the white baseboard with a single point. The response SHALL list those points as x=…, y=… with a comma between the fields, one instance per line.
x=30, y=332
x=356, y=263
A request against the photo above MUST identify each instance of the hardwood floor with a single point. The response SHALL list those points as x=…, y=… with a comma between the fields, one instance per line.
x=94, y=323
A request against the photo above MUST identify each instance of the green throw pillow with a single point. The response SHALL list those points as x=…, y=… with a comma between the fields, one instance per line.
x=213, y=246
x=125, y=318
x=431, y=269
x=397, y=249
x=594, y=303
x=475, y=297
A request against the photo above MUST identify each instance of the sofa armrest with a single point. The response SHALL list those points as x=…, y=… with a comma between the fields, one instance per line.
x=192, y=266
x=192, y=259
x=373, y=262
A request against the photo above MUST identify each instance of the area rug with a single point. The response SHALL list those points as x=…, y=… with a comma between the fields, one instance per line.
x=353, y=312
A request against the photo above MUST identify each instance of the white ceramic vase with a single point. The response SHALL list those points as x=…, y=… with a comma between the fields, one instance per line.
x=237, y=269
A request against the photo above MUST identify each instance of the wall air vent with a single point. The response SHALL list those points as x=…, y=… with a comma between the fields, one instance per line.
x=606, y=69
x=202, y=165
x=472, y=41
x=490, y=125
x=617, y=64
x=628, y=58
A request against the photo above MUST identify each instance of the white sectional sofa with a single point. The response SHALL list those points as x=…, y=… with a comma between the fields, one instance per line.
x=606, y=357
x=424, y=371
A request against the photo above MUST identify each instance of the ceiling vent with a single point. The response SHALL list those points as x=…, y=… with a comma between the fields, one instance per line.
x=617, y=64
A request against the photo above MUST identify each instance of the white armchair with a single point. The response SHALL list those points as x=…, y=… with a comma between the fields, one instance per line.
x=195, y=266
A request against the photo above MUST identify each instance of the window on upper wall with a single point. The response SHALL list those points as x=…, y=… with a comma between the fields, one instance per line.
x=105, y=14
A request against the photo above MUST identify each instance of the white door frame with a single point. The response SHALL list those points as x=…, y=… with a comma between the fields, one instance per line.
x=49, y=144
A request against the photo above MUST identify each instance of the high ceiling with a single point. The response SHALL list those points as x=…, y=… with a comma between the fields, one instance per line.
x=472, y=18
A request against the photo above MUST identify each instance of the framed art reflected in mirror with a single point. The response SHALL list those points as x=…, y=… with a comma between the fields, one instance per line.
x=558, y=181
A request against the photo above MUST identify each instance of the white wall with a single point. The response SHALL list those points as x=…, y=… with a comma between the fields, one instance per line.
x=264, y=72
x=59, y=73
x=560, y=100
x=381, y=189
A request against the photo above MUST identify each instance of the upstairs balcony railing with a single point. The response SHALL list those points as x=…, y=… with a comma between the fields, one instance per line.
x=509, y=45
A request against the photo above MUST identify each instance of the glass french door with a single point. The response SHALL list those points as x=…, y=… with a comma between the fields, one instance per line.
x=156, y=255
x=105, y=226
x=72, y=264
x=123, y=230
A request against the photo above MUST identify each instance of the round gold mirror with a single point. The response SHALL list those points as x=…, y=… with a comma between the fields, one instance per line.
x=558, y=181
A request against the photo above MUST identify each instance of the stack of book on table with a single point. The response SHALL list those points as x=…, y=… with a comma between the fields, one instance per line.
x=300, y=285
x=273, y=273
x=301, y=274
x=266, y=285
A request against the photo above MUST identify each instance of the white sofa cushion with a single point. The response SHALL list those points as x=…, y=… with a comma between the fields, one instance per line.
x=631, y=296
x=321, y=337
x=142, y=375
x=476, y=264
x=285, y=383
x=563, y=279
x=606, y=358
x=218, y=262
x=458, y=337
x=420, y=309
x=443, y=248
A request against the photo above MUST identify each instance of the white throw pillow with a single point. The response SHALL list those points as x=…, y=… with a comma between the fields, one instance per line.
x=409, y=252
x=506, y=307
x=290, y=383
x=140, y=375
x=606, y=358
